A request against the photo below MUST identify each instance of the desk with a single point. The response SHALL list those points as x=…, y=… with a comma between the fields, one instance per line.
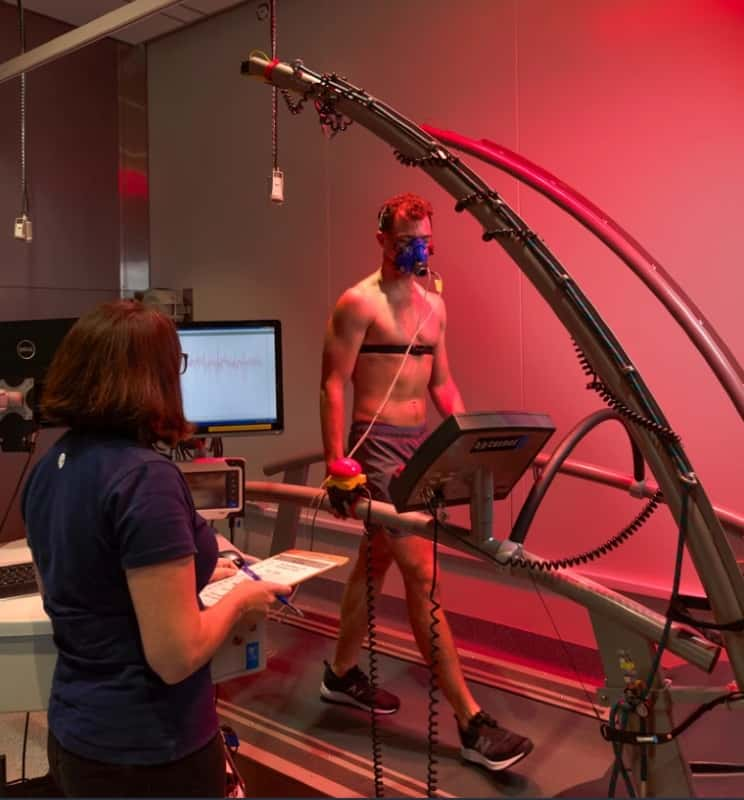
x=27, y=651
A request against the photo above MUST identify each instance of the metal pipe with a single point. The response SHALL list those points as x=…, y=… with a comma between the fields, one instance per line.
x=731, y=521
x=560, y=454
x=699, y=330
x=82, y=36
x=302, y=460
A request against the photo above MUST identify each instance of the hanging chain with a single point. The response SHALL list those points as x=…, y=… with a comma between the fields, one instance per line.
x=24, y=186
x=274, y=94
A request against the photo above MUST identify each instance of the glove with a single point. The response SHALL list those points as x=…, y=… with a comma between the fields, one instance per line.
x=343, y=483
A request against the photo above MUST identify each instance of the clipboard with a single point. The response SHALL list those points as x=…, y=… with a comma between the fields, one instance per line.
x=289, y=567
x=295, y=566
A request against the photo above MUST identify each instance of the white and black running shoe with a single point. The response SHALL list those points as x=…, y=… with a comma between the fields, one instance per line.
x=353, y=689
x=485, y=742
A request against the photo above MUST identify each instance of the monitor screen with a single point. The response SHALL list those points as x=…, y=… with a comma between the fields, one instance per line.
x=233, y=381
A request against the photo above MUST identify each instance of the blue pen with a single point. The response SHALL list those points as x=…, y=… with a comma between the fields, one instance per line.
x=280, y=597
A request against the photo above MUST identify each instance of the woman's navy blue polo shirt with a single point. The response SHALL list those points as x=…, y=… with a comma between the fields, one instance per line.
x=95, y=506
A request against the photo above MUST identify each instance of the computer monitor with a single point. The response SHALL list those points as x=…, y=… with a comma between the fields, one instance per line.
x=233, y=381
x=26, y=351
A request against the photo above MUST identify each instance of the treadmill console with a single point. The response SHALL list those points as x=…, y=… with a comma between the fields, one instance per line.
x=503, y=443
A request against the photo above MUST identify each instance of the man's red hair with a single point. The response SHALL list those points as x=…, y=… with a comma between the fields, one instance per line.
x=407, y=206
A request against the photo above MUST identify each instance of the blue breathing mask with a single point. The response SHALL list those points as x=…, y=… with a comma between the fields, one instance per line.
x=413, y=257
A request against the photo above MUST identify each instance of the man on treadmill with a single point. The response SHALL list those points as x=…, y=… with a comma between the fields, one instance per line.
x=387, y=336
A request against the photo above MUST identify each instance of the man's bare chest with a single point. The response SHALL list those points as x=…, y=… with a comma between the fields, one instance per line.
x=398, y=324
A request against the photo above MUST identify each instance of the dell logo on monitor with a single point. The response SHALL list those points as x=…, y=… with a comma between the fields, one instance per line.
x=489, y=443
x=26, y=349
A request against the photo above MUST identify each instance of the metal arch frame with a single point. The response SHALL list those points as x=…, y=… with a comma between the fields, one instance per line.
x=706, y=541
x=699, y=330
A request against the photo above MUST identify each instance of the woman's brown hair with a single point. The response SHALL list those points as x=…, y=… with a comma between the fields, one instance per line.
x=117, y=370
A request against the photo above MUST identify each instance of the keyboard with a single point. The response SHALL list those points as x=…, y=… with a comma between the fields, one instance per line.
x=17, y=580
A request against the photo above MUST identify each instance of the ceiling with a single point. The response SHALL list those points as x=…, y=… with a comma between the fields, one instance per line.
x=78, y=12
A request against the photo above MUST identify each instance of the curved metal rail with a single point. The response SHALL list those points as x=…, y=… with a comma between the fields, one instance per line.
x=706, y=542
x=699, y=330
x=560, y=454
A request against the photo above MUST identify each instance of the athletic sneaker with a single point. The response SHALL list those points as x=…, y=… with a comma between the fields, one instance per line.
x=485, y=742
x=353, y=689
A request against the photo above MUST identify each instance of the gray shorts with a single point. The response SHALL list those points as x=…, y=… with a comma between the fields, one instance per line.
x=382, y=453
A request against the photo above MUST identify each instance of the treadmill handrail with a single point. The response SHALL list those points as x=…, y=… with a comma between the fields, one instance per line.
x=732, y=521
x=301, y=460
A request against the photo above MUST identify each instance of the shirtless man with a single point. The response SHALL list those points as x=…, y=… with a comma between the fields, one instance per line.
x=366, y=341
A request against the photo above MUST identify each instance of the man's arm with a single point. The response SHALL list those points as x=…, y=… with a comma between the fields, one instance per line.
x=442, y=386
x=345, y=333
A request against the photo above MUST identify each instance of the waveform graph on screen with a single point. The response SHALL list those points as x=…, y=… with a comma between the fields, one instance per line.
x=232, y=383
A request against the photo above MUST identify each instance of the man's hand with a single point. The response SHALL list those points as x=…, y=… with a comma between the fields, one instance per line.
x=344, y=477
x=342, y=501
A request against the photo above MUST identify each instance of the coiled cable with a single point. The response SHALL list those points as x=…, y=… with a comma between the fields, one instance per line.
x=437, y=157
x=432, y=712
x=548, y=565
x=621, y=705
x=598, y=386
x=372, y=642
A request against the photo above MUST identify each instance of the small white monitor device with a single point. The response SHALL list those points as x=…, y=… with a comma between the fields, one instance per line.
x=217, y=485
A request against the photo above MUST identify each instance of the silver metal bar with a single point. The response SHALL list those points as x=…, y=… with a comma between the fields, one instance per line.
x=481, y=505
x=304, y=459
x=288, y=514
x=80, y=37
x=731, y=520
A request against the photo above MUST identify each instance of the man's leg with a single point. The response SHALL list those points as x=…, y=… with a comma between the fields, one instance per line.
x=343, y=681
x=353, y=615
x=414, y=557
x=483, y=740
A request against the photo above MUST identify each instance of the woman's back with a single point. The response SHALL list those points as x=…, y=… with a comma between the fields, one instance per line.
x=96, y=505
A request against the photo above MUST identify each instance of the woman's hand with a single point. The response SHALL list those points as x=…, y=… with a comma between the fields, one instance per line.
x=256, y=597
x=225, y=569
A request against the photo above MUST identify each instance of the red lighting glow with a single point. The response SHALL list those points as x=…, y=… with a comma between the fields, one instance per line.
x=132, y=183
